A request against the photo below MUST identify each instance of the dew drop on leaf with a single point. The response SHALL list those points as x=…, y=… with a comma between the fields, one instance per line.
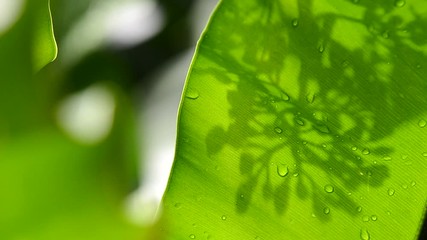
x=278, y=130
x=364, y=234
x=413, y=183
x=299, y=121
x=192, y=94
x=282, y=170
x=295, y=22
x=422, y=123
x=323, y=128
x=295, y=174
x=178, y=205
x=390, y=191
x=354, y=148
x=192, y=236
x=385, y=35
x=399, y=3
x=285, y=97
x=359, y=209
x=374, y=217
x=326, y=210
x=387, y=158
x=310, y=98
x=344, y=63
x=329, y=188
x=365, y=218
x=321, y=48
x=224, y=217
x=404, y=186
x=366, y=151
x=424, y=154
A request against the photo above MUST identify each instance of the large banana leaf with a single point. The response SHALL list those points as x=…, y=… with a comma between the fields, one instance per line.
x=304, y=120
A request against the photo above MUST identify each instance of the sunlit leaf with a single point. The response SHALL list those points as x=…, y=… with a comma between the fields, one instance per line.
x=335, y=91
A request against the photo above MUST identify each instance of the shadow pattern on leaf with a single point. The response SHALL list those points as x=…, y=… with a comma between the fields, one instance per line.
x=313, y=95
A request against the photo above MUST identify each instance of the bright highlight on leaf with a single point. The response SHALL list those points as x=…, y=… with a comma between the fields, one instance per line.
x=301, y=120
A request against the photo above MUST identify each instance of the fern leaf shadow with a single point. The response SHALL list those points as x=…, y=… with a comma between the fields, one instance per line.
x=300, y=113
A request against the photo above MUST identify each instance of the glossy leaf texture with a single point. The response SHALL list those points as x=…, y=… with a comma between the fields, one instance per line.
x=304, y=120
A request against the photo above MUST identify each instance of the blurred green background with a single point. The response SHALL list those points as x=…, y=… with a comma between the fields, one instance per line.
x=73, y=146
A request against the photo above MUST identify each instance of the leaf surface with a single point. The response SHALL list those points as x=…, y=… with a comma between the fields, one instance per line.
x=304, y=120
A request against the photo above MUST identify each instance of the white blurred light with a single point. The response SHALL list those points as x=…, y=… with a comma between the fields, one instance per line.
x=87, y=116
x=158, y=128
x=10, y=10
x=134, y=22
x=121, y=23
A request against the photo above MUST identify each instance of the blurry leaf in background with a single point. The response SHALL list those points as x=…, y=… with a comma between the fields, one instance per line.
x=303, y=120
x=53, y=186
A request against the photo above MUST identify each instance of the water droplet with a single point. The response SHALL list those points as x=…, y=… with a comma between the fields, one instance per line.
x=388, y=213
x=324, y=145
x=385, y=35
x=359, y=209
x=278, y=130
x=356, y=1
x=404, y=186
x=304, y=142
x=413, y=183
x=329, y=188
x=326, y=210
x=369, y=173
x=282, y=170
x=390, y=191
x=418, y=66
x=295, y=174
x=310, y=98
x=365, y=218
x=354, y=148
x=349, y=193
x=321, y=48
x=313, y=215
x=295, y=22
x=404, y=156
x=192, y=236
x=242, y=196
x=422, y=123
x=364, y=234
x=345, y=63
x=224, y=217
x=285, y=97
x=366, y=151
x=323, y=128
x=399, y=3
x=178, y=205
x=192, y=94
x=387, y=158
x=299, y=121
x=374, y=217
x=424, y=154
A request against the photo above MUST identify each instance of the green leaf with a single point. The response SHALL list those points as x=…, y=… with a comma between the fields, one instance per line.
x=25, y=47
x=304, y=120
x=44, y=45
